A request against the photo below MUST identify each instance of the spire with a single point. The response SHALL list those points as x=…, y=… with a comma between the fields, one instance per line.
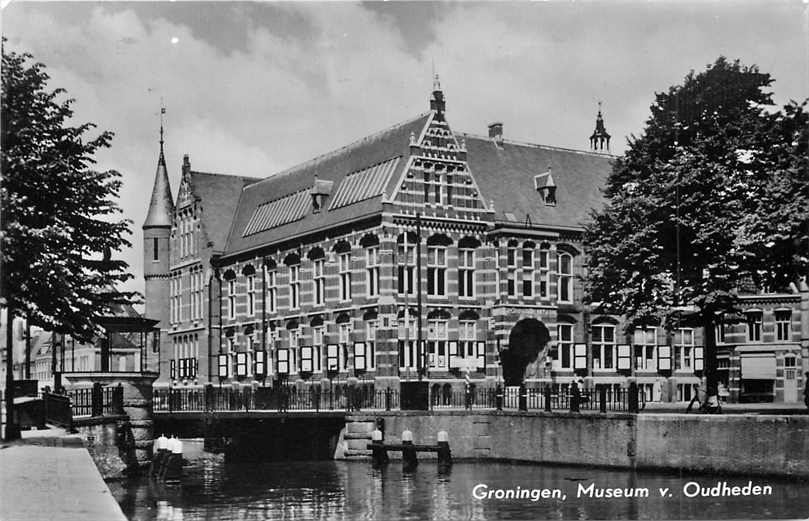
x=437, y=101
x=161, y=206
x=600, y=139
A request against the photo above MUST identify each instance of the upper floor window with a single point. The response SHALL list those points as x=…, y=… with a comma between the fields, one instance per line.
x=251, y=296
x=511, y=267
x=467, y=335
x=344, y=263
x=449, y=190
x=319, y=280
x=437, y=343
x=294, y=336
x=565, y=282
x=544, y=274
x=645, y=341
x=528, y=270
x=317, y=346
x=603, y=342
x=294, y=286
x=436, y=270
x=232, y=298
x=407, y=343
x=754, y=326
x=683, y=348
x=155, y=249
x=783, y=329
x=372, y=267
x=271, y=278
x=466, y=272
x=406, y=269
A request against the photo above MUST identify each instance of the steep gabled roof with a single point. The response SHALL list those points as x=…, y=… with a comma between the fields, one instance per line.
x=161, y=205
x=219, y=195
x=374, y=159
x=505, y=173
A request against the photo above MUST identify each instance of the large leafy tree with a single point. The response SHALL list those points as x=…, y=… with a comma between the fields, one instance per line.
x=60, y=217
x=711, y=200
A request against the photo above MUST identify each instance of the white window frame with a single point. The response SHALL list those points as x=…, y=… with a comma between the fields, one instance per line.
x=544, y=273
x=599, y=347
x=783, y=327
x=564, y=282
x=684, y=349
x=271, y=276
x=344, y=265
x=754, y=326
x=319, y=281
x=438, y=341
x=437, y=271
x=527, y=273
x=251, y=296
x=646, y=339
x=294, y=340
x=232, y=298
x=564, y=344
x=408, y=352
x=294, y=286
x=466, y=272
x=372, y=270
x=467, y=337
x=406, y=272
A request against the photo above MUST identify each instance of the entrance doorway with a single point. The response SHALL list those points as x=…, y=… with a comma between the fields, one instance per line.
x=528, y=338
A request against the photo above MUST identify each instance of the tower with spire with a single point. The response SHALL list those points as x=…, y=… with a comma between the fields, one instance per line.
x=437, y=101
x=600, y=139
x=156, y=235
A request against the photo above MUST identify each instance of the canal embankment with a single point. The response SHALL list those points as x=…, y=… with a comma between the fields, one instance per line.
x=53, y=477
x=765, y=445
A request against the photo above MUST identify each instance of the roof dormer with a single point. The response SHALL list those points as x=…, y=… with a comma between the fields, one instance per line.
x=546, y=186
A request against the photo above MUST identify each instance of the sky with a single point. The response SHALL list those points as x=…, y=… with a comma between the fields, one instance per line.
x=253, y=88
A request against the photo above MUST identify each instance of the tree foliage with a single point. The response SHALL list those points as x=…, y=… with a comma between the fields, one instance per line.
x=712, y=199
x=61, y=218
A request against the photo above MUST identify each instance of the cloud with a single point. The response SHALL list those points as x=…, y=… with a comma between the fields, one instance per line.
x=271, y=85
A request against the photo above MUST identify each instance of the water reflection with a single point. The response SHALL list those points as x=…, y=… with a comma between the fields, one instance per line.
x=213, y=490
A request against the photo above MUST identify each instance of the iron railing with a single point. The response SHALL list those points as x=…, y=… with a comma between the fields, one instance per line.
x=97, y=400
x=291, y=398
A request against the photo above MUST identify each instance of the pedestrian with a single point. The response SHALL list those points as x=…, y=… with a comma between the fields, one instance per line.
x=806, y=389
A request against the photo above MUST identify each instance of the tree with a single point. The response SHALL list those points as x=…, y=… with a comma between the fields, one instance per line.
x=60, y=217
x=712, y=199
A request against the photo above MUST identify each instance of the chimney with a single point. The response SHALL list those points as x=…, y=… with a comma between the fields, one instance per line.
x=496, y=131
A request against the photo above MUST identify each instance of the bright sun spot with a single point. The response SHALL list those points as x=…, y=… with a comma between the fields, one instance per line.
x=174, y=40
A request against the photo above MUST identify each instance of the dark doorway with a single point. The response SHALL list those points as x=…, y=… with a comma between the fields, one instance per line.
x=528, y=338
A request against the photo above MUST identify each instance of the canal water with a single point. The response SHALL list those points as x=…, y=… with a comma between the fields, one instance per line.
x=331, y=490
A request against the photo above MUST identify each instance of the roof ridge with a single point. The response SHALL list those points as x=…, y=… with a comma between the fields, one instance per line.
x=337, y=151
x=537, y=145
x=226, y=175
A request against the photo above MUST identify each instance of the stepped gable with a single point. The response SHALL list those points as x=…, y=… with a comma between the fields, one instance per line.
x=505, y=171
x=281, y=206
x=219, y=195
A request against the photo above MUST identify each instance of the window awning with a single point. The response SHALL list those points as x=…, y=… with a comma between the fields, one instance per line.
x=758, y=367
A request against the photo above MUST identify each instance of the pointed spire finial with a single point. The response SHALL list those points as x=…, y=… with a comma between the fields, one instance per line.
x=436, y=82
x=162, y=111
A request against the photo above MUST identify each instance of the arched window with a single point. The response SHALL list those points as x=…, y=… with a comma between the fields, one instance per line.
x=371, y=244
x=565, y=280
x=602, y=340
x=437, y=338
x=343, y=251
x=318, y=258
x=293, y=262
x=230, y=277
x=250, y=277
x=406, y=263
x=437, y=264
x=270, y=285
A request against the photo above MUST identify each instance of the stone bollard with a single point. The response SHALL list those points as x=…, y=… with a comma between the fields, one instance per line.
x=444, y=452
x=174, y=467
x=409, y=459
x=379, y=455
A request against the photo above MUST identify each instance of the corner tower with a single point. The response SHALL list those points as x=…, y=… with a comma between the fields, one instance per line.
x=156, y=235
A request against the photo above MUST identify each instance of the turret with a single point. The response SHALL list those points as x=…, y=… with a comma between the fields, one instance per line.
x=600, y=139
x=156, y=235
x=437, y=101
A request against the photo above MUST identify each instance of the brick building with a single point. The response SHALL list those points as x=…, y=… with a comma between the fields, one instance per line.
x=416, y=239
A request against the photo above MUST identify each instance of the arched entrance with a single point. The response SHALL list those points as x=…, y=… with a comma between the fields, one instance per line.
x=528, y=338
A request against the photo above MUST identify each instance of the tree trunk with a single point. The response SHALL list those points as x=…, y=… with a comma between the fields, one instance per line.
x=710, y=363
x=12, y=431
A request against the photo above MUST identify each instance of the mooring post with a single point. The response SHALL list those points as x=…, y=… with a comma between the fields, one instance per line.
x=379, y=455
x=409, y=459
x=444, y=453
x=548, y=397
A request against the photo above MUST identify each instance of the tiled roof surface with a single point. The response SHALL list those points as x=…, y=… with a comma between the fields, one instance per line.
x=364, y=184
x=505, y=174
x=219, y=194
x=335, y=166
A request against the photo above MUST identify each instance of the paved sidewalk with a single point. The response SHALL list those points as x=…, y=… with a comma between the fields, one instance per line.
x=731, y=408
x=49, y=476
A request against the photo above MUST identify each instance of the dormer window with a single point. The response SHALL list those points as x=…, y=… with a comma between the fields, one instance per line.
x=320, y=191
x=545, y=185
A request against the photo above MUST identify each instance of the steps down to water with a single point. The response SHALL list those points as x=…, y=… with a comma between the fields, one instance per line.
x=354, y=440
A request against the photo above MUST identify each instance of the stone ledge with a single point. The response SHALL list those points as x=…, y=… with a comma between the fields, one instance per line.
x=99, y=420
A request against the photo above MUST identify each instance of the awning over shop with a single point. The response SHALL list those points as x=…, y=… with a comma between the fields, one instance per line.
x=758, y=367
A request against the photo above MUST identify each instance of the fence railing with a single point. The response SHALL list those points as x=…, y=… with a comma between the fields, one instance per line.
x=58, y=410
x=97, y=400
x=291, y=398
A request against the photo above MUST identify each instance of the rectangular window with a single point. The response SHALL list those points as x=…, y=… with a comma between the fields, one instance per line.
x=294, y=286
x=319, y=281
x=407, y=344
x=436, y=271
x=544, y=275
x=683, y=349
x=449, y=190
x=467, y=335
x=232, y=298
x=406, y=270
x=565, y=346
x=511, y=274
x=294, y=336
x=645, y=341
x=251, y=296
x=370, y=344
x=527, y=272
x=155, y=249
x=272, y=290
x=372, y=267
x=603, y=342
x=466, y=273
x=754, y=326
x=783, y=329
x=344, y=262
x=565, y=281
x=344, y=332
x=437, y=344
x=317, y=347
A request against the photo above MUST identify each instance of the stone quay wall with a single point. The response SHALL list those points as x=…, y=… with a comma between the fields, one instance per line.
x=733, y=444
